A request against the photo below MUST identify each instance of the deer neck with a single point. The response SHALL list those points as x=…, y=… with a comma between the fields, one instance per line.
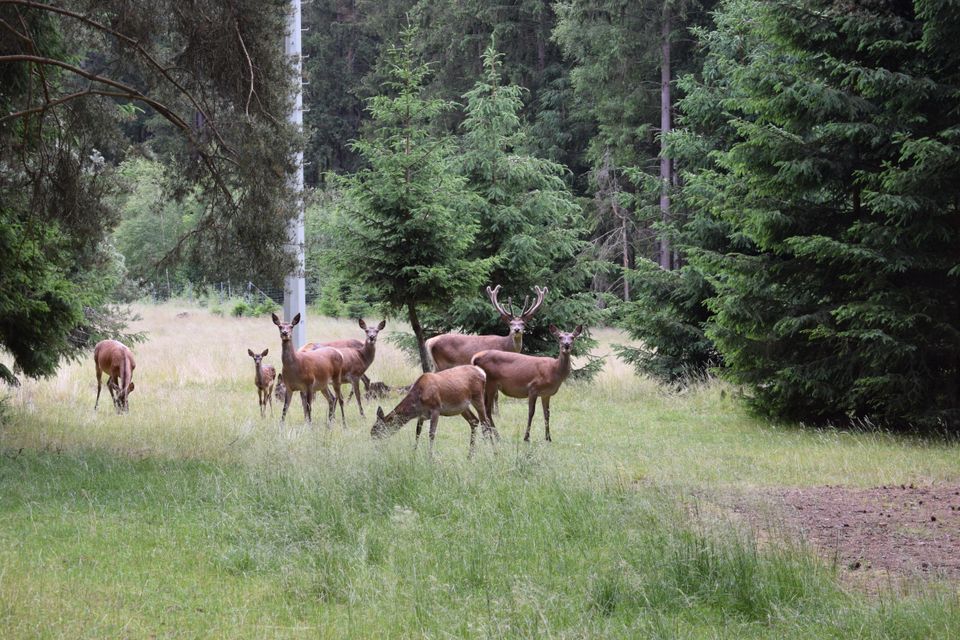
x=368, y=352
x=563, y=365
x=288, y=356
x=516, y=342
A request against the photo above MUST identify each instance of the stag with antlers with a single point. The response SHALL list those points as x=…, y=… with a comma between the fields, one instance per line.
x=521, y=376
x=455, y=349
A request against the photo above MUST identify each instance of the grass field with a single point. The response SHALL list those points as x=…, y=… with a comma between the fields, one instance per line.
x=193, y=517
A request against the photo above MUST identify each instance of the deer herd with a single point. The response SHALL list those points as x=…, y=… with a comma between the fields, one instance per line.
x=470, y=372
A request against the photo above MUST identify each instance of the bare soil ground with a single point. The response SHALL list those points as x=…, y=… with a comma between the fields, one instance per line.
x=882, y=536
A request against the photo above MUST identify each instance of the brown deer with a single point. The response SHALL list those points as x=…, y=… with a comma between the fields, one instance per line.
x=280, y=391
x=521, y=376
x=308, y=372
x=116, y=360
x=357, y=356
x=456, y=349
x=445, y=393
x=263, y=378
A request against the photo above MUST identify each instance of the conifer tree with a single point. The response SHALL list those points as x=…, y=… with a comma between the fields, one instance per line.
x=532, y=228
x=842, y=183
x=405, y=223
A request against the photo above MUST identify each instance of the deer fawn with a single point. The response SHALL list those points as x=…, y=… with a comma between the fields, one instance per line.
x=357, y=356
x=455, y=349
x=521, y=376
x=264, y=380
x=308, y=372
x=114, y=359
x=445, y=393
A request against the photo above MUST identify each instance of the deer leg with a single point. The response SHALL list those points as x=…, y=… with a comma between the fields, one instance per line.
x=489, y=394
x=331, y=404
x=356, y=391
x=262, y=401
x=531, y=409
x=434, y=419
x=308, y=405
x=270, y=397
x=545, y=401
x=416, y=440
x=287, y=396
x=366, y=383
x=338, y=392
x=488, y=430
x=472, y=421
x=99, y=385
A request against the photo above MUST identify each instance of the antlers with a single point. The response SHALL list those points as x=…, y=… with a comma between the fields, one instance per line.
x=525, y=313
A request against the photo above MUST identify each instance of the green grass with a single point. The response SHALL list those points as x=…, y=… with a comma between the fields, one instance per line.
x=191, y=517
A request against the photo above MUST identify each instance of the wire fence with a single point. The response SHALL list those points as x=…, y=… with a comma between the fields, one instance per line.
x=222, y=291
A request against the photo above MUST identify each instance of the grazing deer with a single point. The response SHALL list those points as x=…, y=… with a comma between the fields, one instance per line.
x=280, y=391
x=455, y=349
x=116, y=360
x=308, y=372
x=521, y=376
x=445, y=393
x=357, y=356
x=264, y=380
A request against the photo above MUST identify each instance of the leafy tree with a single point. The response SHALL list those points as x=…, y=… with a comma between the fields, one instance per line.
x=841, y=183
x=405, y=223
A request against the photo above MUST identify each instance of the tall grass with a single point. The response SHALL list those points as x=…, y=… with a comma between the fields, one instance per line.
x=193, y=517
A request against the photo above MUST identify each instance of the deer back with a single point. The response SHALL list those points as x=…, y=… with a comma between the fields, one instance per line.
x=312, y=369
x=456, y=349
x=516, y=373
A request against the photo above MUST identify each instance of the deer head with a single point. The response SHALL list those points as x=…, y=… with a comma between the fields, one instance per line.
x=566, y=339
x=286, y=329
x=258, y=357
x=382, y=428
x=517, y=322
x=372, y=331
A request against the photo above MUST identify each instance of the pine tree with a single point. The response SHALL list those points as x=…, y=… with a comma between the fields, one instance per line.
x=405, y=223
x=842, y=186
x=532, y=228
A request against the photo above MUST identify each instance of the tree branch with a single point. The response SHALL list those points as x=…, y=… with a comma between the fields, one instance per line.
x=136, y=46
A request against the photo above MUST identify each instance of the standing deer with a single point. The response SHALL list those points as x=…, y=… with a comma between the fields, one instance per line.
x=116, y=360
x=264, y=380
x=308, y=372
x=521, y=376
x=445, y=393
x=356, y=359
x=455, y=349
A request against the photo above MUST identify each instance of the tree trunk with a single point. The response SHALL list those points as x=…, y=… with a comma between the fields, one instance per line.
x=666, y=173
x=625, y=247
x=418, y=332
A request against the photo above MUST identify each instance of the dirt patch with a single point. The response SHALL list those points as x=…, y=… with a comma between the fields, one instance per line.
x=883, y=535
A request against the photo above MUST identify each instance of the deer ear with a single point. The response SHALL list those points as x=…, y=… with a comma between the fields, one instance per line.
x=250, y=353
x=296, y=320
x=276, y=320
x=380, y=413
x=131, y=388
x=553, y=330
x=363, y=325
x=265, y=352
x=578, y=330
x=382, y=324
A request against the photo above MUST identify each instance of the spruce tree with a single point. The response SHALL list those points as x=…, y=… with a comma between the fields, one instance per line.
x=531, y=227
x=404, y=223
x=842, y=184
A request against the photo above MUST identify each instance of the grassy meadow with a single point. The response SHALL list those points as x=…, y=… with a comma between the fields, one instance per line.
x=193, y=517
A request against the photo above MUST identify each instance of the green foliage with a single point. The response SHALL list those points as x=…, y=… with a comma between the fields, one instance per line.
x=532, y=227
x=840, y=183
x=405, y=223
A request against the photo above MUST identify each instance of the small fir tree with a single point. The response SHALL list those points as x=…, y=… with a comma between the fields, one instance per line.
x=405, y=223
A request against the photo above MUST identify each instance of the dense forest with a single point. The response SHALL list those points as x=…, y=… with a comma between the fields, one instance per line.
x=764, y=190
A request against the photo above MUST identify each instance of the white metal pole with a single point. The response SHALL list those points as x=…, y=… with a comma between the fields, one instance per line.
x=294, y=287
